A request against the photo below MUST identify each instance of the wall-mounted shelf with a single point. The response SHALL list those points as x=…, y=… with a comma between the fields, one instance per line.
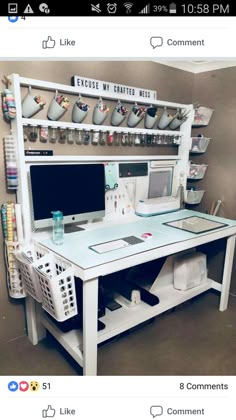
x=94, y=127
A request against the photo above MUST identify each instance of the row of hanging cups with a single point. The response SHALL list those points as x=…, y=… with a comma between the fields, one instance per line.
x=59, y=105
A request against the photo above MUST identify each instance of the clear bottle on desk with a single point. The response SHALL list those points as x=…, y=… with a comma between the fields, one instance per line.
x=58, y=227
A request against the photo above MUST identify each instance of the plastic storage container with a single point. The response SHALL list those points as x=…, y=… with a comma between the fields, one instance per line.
x=31, y=105
x=27, y=258
x=202, y=116
x=56, y=279
x=194, y=196
x=196, y=171
x=199, y=144
x=190, y=271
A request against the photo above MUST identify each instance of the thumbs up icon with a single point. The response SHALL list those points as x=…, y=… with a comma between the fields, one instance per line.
x=49, y=412
x=49, y=43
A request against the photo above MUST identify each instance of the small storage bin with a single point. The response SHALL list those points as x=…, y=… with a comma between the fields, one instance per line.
x=199, y=144
x=27, y=258
x=194, y=196
x=118, y=115
x=150, y=117
x=31, y=105
x=80, y=110
x=100, y=113
x=176, y=123
x=14, y=279
x=57, y=107
x=202, y=116
x=165, y=120
x=196, y=171
x=136, y=115
x=56, y=279
x=190, y=271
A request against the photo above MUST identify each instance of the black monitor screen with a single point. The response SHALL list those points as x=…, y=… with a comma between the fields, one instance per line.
x=73, y=189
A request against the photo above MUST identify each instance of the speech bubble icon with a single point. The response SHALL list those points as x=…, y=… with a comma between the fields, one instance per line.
x=156, y=41
x=156, y=410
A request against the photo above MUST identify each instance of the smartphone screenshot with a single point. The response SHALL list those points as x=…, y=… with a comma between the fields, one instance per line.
x=118, y=221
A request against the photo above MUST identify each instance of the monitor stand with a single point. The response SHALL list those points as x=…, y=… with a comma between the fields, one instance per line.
x=72, y=227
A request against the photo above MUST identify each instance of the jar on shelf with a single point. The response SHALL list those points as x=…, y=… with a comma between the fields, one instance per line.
x=33, y=132
x=26, y=130
x=53, y=134
x=124, y=139
x=154, y=140
x=86, y=137
x=62, y=135
x=143, y=139
x=43, y=136
x=95, y=138
x=78, y=136
x=148, y=139
x=103, y=138
x=137, y=140
x=110, y=138
x=70, y=135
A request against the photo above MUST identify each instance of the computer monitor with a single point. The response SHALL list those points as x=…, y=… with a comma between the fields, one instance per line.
x=78, y=190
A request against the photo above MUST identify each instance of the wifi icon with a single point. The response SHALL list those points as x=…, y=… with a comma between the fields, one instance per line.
x=128, y=7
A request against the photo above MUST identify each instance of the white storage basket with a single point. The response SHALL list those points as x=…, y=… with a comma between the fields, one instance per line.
x=199, y=144
x=57, y=283
x=202, y=116
x=193, y=196
x=196, y=171
x=29, y=106
x=27, y=258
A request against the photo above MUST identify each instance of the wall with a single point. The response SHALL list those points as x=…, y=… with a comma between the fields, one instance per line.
x=171, y=85
x=217, y=89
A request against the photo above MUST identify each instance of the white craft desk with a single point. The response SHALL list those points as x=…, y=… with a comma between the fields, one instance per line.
x=89, y=265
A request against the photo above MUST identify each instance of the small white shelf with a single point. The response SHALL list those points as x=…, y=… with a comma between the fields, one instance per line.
x=124, y=318
x=40, y=84
x=94, y=127
x=117, y=158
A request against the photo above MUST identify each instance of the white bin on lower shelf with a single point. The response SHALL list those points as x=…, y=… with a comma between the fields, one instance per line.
x=196, y=171
x=193, y=196
x=199, y=144
x=27, y=258
x=56, y=279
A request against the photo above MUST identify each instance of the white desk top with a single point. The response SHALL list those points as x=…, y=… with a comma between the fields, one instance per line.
x=76, y=245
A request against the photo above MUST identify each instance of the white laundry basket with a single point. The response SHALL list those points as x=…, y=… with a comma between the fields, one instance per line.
x=27, y=258
x=56, y=279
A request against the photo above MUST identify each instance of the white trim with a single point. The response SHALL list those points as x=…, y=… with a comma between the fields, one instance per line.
x=200, y=66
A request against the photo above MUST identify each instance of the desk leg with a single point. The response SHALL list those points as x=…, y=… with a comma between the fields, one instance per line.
x=35, y=329
x=90, y=319
x=228, y=263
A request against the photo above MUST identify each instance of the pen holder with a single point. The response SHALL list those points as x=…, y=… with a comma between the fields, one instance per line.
x=55, y=111
x=100, y=113
x=175, y=123
x=78, y=114
x=29, y=106
x=165, y=120
x=133, y=119
x=118, y=115
x=150, y=120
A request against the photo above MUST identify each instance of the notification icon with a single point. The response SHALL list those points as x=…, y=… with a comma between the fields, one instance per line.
x=23, y=386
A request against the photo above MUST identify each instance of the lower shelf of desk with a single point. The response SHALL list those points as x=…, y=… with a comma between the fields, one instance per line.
x=125, y=318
